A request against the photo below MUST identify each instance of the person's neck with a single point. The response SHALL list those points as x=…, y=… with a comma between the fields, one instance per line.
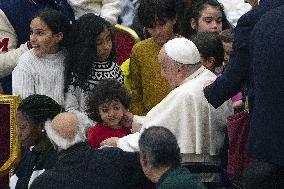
x=157, y=173
x=44, y=142
x=173, y=35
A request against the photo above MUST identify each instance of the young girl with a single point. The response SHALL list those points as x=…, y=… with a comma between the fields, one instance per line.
x=41, y=69
x=90, y=58
x=106, y=105
x=206, y=16
x=211, y=50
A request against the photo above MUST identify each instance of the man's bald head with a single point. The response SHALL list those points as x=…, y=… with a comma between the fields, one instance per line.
x=66, y=129
x=66, y=125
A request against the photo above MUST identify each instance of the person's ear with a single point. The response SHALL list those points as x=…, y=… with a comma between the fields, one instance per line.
x=210, y=63
x=58, y=37
x=175, y=20
x=143, y=159
x=193, y=23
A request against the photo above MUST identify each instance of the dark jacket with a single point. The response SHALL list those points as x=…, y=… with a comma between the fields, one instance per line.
x=267, y=131
x=82, y=167
x=32, y=160
x=238, y=71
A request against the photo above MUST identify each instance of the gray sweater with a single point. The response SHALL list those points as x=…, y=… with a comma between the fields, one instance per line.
x=39, y=75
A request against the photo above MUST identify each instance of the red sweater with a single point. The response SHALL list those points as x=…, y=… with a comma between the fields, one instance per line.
x=100, y=132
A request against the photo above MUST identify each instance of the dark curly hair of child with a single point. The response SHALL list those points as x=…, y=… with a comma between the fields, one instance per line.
x=104, y=92
x=82, y=49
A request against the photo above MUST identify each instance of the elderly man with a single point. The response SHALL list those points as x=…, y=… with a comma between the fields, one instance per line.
x=160, y=160
x=199, y=128
x=79, y=166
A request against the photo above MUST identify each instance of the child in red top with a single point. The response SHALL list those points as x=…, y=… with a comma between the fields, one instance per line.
x=106, y=105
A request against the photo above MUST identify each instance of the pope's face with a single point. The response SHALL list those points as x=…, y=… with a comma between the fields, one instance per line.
x=168, y=69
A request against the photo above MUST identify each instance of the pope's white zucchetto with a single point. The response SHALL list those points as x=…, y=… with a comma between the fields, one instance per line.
x=182, y=51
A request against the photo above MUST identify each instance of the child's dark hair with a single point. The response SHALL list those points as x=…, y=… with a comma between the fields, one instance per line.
x=209, y=45
x=106, y=91
x=227, y=36
x=198, y=6
x=151, y=11
x=56, y=22
x=82, y=49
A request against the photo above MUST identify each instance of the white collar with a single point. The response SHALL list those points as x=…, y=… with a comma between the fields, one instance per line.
x=194, y=75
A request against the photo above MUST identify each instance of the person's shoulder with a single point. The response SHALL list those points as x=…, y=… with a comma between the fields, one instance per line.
x=181, y=178
x=26, y=57
x=25, y=62
x=43, y=181
x=144, y=44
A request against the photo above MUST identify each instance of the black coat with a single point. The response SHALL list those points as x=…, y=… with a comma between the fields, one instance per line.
x=238, y=71
x=266, y=134
x=86, y=168
x=267, y=131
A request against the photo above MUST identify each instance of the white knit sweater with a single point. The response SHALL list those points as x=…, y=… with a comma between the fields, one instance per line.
x=108, y=9
x=39, y=75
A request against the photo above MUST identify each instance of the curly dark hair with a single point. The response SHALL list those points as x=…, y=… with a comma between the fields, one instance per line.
x=82, y=49
x=105, y=91
x=197, y=7
x=40, y=108
x=149, y=11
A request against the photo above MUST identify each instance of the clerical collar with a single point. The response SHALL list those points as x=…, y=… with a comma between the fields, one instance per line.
x=194, y=75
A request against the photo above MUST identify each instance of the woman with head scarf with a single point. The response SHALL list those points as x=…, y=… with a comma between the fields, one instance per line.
x=37, y=153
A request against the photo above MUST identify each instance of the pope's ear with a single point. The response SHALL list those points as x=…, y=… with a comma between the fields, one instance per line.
x=193, y=23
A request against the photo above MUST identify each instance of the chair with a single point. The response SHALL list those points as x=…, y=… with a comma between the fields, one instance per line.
x=125, y=39
x=9, y=144
x=202, y=167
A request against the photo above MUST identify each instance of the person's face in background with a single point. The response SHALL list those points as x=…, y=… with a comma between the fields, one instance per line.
x=42, y=38
x=29, y=133
x=210, y=20
x=227, y=52
x=104, y=45
x=162, y=31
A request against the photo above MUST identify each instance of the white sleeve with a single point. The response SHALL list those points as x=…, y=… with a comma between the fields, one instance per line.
x=8, y=42
x=137, y=123
x=111, y=9
x=71, y=100
x=23, y=80
x=129, y=143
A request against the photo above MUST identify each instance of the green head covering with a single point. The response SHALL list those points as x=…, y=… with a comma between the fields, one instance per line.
x=40, y=108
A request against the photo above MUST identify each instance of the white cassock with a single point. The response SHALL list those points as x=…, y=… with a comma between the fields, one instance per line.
x=198, y=127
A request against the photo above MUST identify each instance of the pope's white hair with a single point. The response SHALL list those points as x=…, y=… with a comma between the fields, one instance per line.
x=64, y=143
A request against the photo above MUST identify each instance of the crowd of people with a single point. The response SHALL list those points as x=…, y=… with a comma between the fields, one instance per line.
x=78, y=125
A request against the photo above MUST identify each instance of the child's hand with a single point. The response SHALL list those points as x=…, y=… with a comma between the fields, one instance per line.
x=110, y=142
x=126, y=120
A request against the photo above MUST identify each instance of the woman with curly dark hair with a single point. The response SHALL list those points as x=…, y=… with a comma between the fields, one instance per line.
x=106, y=105
x=90, y=58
